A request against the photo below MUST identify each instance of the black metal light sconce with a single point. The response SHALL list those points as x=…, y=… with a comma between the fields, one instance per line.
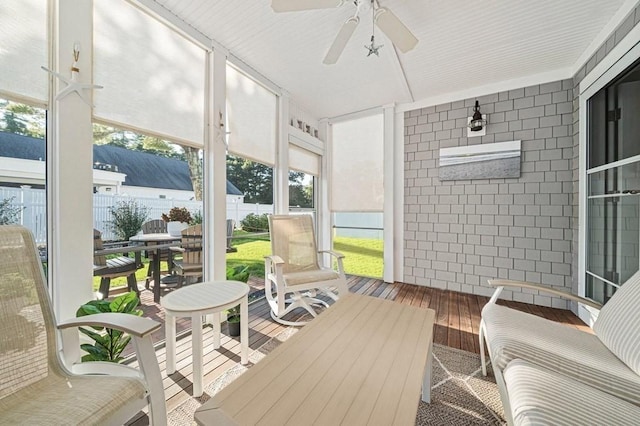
x=477, y=122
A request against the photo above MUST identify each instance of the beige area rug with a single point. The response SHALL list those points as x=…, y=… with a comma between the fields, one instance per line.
x=460, y=394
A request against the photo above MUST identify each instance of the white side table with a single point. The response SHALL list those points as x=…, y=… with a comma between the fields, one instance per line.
x=195, y=301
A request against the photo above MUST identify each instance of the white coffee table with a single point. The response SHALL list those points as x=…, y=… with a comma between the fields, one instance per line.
x=195, y=301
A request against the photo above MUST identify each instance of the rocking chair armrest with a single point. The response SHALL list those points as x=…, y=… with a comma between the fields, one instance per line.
x=275, y=259
x=332, y=253
x=134, y=325
x=542, y=288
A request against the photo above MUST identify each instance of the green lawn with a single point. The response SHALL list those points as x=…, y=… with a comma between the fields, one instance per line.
x=363, y=257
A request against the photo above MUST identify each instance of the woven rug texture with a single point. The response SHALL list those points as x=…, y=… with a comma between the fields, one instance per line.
x=460, y=395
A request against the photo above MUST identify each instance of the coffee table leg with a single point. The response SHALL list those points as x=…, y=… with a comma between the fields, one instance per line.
x=215, y=323
x=196, y=342
x=170, y=338
x=244, y=330
x=426, y=381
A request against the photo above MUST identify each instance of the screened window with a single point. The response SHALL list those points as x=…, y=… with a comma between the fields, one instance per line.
x=357, y=193
x=24, y=92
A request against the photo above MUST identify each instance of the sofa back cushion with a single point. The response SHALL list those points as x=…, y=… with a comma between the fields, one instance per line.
x=618, y=324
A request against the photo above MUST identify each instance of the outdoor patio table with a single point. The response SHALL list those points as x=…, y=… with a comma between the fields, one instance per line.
x=363, y=360
x=151, y=240
x=201, y=299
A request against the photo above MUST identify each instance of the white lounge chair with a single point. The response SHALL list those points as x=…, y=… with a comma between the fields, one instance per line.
x=293, y=275
x=35, y=386
x=608, y=360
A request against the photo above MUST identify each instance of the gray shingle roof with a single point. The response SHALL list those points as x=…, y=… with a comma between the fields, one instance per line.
x=142, y=169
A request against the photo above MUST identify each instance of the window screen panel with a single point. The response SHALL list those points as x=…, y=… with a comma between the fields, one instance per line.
x=357, y=165
x=24, y=49
x=153, y=77
x=251, y=118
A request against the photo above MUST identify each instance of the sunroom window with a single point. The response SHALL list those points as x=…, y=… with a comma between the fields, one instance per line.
x=613, y=182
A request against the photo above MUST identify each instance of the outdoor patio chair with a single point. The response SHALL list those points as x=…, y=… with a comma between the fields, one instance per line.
x=36, y=387
x=156, y=226
x=608, y=359
x=191, y=248
x=107, y=268
x=293, y=275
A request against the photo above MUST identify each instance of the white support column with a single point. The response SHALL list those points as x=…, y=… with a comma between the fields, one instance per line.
x=69, y=161
x=323, y=209
x=215, y=170
x=398, y=198
x=388, y=207
x=281, y=170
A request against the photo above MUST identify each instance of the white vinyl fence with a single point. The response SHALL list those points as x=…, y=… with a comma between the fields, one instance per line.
x=34, y=209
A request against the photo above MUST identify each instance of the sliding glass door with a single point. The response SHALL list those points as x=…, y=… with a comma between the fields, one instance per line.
x=613, y=185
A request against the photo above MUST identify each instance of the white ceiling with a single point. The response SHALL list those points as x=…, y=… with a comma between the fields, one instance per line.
x=462, y=45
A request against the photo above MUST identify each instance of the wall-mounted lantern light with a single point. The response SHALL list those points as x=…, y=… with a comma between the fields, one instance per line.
x=477, y=123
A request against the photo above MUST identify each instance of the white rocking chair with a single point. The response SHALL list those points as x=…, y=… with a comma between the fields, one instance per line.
x=293, y=275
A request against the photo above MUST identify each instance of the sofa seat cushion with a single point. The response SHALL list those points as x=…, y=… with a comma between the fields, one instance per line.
x=512, y=334
x=538, y=396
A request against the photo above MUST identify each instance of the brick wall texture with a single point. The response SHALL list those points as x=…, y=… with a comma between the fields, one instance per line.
x=459, y=234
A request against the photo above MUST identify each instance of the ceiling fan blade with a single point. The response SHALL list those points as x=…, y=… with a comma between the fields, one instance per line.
x=395, y=30
x=341, y=41
x=298, y=5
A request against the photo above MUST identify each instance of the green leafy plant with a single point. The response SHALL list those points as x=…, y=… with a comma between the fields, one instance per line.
x=177, y=214
x=236, y=273
x=128, y=217
x=9, y=213
x=109, y=343
x=254, y=223
x=197, y=218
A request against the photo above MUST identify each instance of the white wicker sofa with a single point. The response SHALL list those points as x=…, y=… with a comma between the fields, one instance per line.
x=549, y=373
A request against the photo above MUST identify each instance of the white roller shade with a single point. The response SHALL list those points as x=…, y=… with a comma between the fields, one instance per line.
x=302, y=160
x=251, y=117
x=357, y=165
x=153, y=78
x=24, y=49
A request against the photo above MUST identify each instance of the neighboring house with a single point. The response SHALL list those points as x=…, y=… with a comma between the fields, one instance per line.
x=116, y=170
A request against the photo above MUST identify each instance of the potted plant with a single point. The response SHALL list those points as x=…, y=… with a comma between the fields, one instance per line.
x=236, y=273
x=109, y=343
x=177, y=220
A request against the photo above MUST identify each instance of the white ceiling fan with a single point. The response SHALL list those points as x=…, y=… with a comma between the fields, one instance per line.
x=388, y=23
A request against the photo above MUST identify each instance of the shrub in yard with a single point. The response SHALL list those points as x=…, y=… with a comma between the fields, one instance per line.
x=128, y=217
x=197, y=218
x=254, y=223
x=8, y=212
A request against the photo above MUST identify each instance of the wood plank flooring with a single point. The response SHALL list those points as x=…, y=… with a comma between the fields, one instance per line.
x=457, y=323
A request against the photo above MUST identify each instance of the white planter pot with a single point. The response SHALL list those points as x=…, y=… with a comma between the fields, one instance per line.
x=175, y=228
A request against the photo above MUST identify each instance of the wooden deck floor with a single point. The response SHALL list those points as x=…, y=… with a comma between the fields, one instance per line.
x=457, y=322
